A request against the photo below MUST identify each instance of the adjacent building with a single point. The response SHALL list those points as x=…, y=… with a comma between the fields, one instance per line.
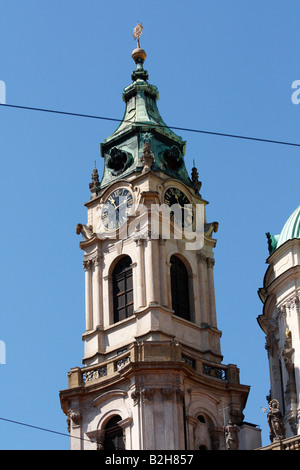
x=279, y=321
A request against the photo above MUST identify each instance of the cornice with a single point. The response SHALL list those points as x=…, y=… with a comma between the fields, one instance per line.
x=272, y=258
x=292, y=272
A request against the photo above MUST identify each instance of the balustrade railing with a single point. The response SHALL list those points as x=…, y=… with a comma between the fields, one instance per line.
x=214, y=371
x=136, y=353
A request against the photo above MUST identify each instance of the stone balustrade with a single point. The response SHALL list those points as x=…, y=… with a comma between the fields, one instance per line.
x=151, y=352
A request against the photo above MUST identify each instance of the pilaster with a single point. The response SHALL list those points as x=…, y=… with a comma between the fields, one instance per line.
x=88, y=295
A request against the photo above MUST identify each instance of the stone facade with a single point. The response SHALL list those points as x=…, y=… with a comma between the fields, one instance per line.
x=163, y=398
x=152, y=379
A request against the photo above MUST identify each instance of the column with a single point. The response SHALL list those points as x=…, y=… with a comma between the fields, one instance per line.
x=191, y=424
x=152, y=272
x=195, y=307
x=156, y=270
x=202, y=269
x=169, y=290
x=74, y=425
x=148, y=429
x=97, y=291
x=163, y=273
x=140, y=269
x=211, y=290
x=88, y=295
x=181, y=423
x=168, y=416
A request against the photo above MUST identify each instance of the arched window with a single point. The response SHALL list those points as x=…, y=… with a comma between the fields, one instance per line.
x=180, y=288
x=202, y=419
x=113, y=439
x=122, y=289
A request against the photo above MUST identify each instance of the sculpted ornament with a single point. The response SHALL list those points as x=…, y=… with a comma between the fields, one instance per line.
x=95, y=184
x=135, y=395
x=167, y=393
x=210, y=228
x=147, y=394
x=232, y=440
x=147, y=158
x=195, y=179
x=74, y=416
x=85, y=231
x=275, y=422
x=288, y=352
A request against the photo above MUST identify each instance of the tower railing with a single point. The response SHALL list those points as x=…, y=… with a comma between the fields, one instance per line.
x=169, y=351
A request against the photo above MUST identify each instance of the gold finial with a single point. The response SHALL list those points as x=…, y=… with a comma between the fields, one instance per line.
x=138, y=54
x=137, y=32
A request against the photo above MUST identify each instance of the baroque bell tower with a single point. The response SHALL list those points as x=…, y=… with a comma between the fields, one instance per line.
x=152, y=375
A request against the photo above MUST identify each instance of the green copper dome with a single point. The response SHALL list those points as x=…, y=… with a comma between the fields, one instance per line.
x=290, y=230
x=142, y=125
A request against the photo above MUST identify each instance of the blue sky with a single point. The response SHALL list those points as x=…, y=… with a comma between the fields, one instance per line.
x=219, y=66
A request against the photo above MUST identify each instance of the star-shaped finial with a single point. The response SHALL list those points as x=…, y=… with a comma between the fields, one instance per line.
x=137, y=32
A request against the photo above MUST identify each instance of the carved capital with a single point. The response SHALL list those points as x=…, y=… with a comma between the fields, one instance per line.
x=201, y=258
x=74, y=416
x=294, y=302
x=210, y=262
x=179, y=395
x=139, y=240
x=100, y=439
x=167, y=393
x=97, y=260
x=147, y=394
x=282, y=311
x=87, y=264
x=135, y=395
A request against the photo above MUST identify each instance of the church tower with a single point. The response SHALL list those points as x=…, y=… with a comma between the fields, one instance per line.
x=152, y=375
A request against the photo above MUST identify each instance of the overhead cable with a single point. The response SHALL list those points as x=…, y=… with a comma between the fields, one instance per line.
x=185, y=129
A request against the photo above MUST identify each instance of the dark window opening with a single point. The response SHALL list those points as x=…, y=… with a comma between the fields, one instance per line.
x=180, y=288
x=122, y=289
x=201, y=419
x=114, y=435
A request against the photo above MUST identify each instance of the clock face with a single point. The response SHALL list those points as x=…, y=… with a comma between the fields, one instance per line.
x=116, y=207
x=181, y=212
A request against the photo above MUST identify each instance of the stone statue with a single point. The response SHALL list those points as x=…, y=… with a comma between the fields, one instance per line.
x=275, y=421
x=232, y=440
x=147, y=158
x=95, y=184
x=85, y=230
x=195, y=179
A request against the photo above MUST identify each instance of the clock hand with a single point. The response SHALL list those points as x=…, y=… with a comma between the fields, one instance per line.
x=121, y=204
x=112, y=202
x=182, y=207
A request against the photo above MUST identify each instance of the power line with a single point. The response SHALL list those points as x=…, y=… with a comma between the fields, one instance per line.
x=185, y=129
x=43, y=429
